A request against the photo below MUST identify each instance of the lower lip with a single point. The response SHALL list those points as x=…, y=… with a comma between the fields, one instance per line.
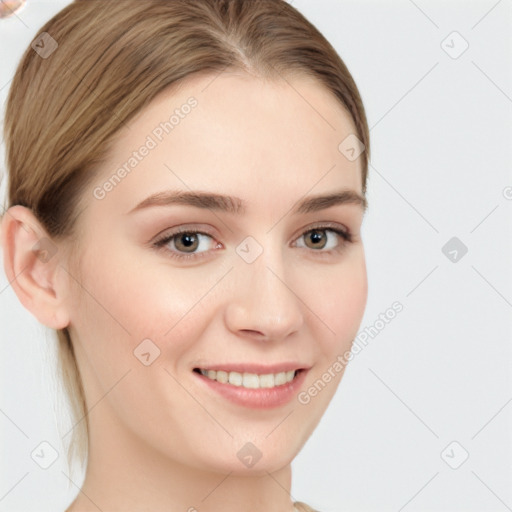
x=257, y=398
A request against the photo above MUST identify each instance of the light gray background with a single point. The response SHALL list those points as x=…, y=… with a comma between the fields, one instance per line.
x=440, y=371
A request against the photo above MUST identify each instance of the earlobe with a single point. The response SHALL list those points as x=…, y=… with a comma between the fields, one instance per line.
x=31, y=264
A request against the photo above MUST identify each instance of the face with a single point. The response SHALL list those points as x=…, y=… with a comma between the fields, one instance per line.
x=175, y=285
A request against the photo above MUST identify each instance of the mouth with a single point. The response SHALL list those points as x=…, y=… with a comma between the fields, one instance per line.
x=274, y=387
x=250, y=380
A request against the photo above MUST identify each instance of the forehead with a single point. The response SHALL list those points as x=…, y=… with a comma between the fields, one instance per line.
x=234, y=133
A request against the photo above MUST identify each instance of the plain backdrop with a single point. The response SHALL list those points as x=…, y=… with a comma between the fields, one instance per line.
x=422, y=420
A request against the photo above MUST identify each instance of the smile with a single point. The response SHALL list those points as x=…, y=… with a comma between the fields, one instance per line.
x=249, y=380
x=253, y=390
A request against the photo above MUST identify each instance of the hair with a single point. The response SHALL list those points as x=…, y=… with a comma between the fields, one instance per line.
x=113, y=58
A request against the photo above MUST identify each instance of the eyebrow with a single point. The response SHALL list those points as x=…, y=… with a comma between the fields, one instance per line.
x=237, y=206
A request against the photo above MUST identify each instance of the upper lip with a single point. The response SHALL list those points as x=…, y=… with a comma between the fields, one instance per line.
x=260, y=369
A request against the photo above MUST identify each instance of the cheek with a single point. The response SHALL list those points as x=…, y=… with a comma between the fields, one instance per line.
x=340, y=303
x=123, y=302
x=142, y=291
x=122, y=305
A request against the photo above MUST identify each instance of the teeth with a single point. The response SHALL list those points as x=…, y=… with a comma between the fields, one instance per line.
x=250, y=380
x=221, y=376
x=235, y=378
x=267, y=381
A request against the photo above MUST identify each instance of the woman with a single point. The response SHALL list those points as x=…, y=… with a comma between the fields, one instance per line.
x=186, y=190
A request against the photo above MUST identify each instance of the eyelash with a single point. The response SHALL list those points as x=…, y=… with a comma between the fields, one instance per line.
x=160, y=244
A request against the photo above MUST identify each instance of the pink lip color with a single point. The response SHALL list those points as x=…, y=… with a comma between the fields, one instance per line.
x=261, y=398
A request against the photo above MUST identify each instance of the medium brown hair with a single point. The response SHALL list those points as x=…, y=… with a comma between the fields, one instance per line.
x=112, y=59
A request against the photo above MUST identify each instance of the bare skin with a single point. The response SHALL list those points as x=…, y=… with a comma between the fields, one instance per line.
x=159, y=438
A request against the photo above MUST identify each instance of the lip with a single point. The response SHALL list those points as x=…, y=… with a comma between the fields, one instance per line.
x=260, y=369
x=260, y=398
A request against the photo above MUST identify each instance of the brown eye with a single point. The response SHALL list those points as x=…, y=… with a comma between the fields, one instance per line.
x=186, y=242
x=317, y=238
x=325, y=240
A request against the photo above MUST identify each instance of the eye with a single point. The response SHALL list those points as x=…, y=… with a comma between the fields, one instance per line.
x=186, y=240
x=184, y=243
x=318, y=240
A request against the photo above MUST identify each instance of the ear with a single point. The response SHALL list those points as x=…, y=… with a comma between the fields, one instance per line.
x=31, y=263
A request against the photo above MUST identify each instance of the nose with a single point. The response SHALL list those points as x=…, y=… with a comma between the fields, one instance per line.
x=264, y=304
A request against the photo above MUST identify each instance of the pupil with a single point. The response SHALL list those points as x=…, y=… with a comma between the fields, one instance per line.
x=189, y=240
x=316, y=236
